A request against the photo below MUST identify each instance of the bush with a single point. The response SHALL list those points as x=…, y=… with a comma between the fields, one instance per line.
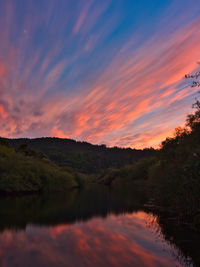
x=20, y=172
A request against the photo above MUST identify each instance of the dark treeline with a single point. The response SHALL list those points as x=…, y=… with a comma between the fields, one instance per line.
x=82, y=156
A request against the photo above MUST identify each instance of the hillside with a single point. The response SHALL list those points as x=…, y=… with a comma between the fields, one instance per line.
x=26, y=171
x=82, y=156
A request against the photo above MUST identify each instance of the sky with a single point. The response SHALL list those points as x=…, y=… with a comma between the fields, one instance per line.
x=106, y=72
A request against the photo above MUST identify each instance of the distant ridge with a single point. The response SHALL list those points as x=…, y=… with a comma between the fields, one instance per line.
x=83, y=156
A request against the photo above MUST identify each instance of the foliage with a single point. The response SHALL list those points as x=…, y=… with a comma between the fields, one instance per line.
x=30, y=172
x=127, y=174
x=193, y=120
x=195, y=78
x=176, y=177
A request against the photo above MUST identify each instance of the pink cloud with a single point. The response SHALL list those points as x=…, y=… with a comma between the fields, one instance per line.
x=138, y=86
x=130, y=98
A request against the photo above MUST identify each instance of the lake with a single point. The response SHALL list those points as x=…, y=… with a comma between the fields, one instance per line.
x=92, y=227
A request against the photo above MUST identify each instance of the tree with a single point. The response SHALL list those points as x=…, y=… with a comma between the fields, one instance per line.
x=195, y=77
x=193, y=120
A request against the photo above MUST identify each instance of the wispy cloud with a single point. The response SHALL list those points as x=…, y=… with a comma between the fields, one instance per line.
x=76, y=72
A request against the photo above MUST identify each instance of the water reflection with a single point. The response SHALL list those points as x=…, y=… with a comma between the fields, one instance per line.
x=94, y=227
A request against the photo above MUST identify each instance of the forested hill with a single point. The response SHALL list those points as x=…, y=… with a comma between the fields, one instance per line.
x=82, y=156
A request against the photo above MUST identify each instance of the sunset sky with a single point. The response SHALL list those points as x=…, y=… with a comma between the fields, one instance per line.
x=102, y=71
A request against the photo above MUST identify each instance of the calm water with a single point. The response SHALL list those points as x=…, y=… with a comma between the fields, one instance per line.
x=89, y=228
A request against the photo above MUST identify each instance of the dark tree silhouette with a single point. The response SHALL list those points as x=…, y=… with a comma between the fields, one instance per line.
x=195, y=77
x=193, y=120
